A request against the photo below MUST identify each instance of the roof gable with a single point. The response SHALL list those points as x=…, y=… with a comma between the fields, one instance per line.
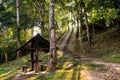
x=36, y=43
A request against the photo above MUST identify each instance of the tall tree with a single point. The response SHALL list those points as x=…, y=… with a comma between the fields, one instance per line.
x=0, y=1
x=42, y=14
x=77, y=19
x=40, y=6
x=18, y=27
x=86, y=20
x=53, y=55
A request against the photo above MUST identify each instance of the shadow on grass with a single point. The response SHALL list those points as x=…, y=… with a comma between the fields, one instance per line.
x=76, y=74
x=58, y=75
x=79, y=78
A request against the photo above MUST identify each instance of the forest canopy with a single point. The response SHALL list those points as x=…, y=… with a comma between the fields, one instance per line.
x=68, y=14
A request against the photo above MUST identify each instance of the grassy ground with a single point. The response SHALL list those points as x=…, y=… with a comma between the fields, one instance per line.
x=9, y=70
x=105, y=46
x=115, y=58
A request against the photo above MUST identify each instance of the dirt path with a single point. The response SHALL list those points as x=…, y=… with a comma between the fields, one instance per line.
x=109, y=71
x=22, y=76
x=18, y=77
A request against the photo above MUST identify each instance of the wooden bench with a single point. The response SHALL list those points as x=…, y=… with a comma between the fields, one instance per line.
x=24, y=68
x=44, y=67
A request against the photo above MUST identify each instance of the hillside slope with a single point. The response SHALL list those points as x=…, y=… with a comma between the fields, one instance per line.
x=107, y=43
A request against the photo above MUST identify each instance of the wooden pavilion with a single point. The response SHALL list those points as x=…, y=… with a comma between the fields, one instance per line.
x=37, y=43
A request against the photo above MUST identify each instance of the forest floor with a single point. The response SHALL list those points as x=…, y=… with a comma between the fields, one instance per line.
x=74, y=64
x=108, y=71
x=98, y=70
x=90, y=69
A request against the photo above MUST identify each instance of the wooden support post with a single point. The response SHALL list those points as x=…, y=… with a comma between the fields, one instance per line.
x=32, y=62
x=32, y=56
x=24, y=68
x=36, y=62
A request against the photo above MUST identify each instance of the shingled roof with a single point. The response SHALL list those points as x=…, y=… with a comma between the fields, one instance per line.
x=39, y=43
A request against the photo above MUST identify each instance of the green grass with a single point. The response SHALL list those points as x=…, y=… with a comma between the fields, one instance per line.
x=62, y=73
x=4, y=70
x=92, y=66
x=112, y=58
x=58, y=75
x=11, y=68
x=104, y=44
x=72, y=74
x=97, y=67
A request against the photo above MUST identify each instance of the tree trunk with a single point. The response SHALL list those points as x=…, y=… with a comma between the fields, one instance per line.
x=6, y=57
x=0, y=1
x=53, y=55
x=68, y=26
x=119, y=27
x=18, y=29
x=93, y=31
x=77, y=19
x=42, y=14
x=86, y=21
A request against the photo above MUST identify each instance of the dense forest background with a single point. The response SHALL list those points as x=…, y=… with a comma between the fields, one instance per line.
x=100, y=16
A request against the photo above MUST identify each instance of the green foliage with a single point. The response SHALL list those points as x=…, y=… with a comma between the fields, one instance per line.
x=45, y=33
x=2, y=8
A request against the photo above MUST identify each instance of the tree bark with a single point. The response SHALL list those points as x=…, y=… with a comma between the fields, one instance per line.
x=6, y=57
x=42, y=14
x=53, y=55
x=93, y=31
x=0, y=1
x=86, y=21
x=18, y=29
x=77, y=19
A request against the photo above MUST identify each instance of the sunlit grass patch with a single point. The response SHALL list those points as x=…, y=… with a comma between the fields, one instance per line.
x=1, y=79
x=112, y=58
x=12, y=73
x=93, y=66
x=62, y=74
x=83, y=66
x=5, y=73
x=11, y=68
x=33, y=78
x=4, y=70
x=71, y=74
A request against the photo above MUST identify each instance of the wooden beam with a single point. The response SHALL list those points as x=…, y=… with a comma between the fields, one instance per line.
x=34, y=60
x=39, y=49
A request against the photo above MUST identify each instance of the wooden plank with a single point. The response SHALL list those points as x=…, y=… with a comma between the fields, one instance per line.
x=39, y=49
x=34, y=60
